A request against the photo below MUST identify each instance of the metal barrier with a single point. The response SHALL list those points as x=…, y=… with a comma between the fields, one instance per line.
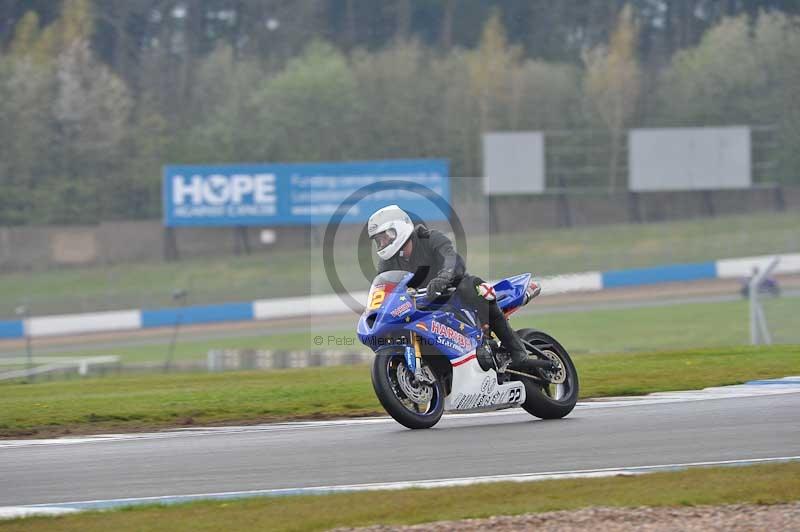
x=50, y=364
x=243, y=359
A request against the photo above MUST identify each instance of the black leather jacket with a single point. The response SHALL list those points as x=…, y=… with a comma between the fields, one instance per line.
x=432, y=255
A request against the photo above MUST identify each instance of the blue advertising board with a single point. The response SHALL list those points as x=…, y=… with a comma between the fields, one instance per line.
x=302, y=194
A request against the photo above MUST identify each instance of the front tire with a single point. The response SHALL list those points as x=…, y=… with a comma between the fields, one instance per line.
x=557, y=399
x=397, y=392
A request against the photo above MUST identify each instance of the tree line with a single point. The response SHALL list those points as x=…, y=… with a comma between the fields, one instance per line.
x=127, y=31
x=95, y=96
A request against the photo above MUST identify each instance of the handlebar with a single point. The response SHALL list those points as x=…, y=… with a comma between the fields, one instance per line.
x=423, y=292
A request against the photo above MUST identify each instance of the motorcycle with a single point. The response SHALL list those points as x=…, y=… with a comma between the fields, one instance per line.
x=433, y=357
x=767, y=286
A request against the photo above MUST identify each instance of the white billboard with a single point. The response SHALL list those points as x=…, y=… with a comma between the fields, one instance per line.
x=689, y=158
x=513, y=162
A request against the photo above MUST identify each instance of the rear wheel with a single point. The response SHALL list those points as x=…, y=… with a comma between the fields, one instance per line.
x=411, y=403
x=557, y=398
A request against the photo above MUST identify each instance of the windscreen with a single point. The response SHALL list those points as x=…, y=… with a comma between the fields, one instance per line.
x=383, y=285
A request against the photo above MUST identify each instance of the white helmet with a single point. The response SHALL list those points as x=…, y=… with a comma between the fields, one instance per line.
x=390, y=228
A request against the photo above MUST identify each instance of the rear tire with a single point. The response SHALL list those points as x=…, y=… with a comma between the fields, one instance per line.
x=556, y=400
x=385, y=382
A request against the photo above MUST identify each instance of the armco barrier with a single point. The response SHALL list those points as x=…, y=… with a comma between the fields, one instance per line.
x=573, y=282
x=331, y=304
x=12, y=329
x=660, y=274
x=65, y=324
x=197, y=315
x=293, y=307
x=740, y=268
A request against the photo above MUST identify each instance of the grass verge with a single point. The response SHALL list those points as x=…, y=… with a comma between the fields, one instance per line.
x=145, y=402
x=763, y=484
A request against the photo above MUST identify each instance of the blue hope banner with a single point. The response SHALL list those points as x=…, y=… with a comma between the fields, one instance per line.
x=302, y=194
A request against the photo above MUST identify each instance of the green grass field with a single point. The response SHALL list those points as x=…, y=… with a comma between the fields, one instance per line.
x=125, y=403
x=763, y=484
x=299, y=272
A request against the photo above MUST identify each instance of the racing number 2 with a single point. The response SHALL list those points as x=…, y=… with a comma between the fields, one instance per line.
x=376, y=300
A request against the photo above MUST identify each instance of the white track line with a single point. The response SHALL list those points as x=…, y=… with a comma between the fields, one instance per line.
x=18, y=512
x=786, y=385
x=384, y=486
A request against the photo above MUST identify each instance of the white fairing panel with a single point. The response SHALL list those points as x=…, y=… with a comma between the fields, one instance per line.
x=475, y=389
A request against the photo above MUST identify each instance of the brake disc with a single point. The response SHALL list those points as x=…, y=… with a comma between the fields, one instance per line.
x=559, y=375
x=415, y=390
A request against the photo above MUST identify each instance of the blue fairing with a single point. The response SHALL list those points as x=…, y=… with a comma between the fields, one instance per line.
x=511, y=292
x=450, y=327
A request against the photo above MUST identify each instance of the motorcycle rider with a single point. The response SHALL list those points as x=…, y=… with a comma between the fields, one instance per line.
x=430, y=255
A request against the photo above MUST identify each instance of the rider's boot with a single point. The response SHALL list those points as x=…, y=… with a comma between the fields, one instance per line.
x=509, y=339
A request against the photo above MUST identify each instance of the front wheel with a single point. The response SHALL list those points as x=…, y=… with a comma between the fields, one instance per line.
x=411, y=403
x=557, y=398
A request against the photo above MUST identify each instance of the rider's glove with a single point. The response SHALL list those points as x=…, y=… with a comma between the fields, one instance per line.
x=437, y=287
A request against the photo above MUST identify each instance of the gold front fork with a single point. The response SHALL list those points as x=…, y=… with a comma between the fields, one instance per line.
x=417, y=348
x=418, y=355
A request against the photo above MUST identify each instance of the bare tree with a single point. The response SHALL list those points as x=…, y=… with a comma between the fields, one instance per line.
x=613, y=84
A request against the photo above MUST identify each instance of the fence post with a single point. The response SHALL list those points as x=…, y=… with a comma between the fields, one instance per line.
x=180, y=296
x=24, y=313
x=171, y=252
x=759, y=333
x=780, y=201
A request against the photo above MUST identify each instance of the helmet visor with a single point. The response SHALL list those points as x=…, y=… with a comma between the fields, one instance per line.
x=385, y=238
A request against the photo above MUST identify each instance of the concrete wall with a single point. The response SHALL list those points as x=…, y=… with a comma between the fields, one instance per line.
x=24, y=248
x=130, y=241
x=39, y=248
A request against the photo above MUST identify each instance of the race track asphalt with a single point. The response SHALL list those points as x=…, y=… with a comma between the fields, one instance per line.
x=595, y=435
